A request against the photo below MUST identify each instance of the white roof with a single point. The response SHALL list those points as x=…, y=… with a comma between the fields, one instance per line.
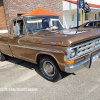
x=97, y=2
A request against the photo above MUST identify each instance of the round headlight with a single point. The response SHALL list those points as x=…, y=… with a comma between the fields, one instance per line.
x=73, y=53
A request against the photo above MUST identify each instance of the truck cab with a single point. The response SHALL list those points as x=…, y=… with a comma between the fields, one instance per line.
x=43, y=40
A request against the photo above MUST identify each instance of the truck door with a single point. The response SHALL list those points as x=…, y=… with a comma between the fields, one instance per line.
x=17, y=40
x=4, y=43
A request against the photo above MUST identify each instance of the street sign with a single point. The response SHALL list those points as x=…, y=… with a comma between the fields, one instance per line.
x=81, y=4
x=86, y=8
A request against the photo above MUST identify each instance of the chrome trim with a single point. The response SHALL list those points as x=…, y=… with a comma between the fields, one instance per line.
x=80, y=65
x=4, y=43
x=97, y=43
x=55, y=51
x=49, y=68
x=93, y=47
x=85, y=43
x=85, y=48
x=55, y=42
x=37, y=48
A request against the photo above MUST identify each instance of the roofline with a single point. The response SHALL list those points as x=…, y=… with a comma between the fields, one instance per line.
x=91, y=5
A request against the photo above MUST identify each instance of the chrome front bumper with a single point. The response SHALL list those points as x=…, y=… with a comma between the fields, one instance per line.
x=80, y=65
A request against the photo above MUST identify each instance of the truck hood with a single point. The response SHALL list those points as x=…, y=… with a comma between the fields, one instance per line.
x=68, y=37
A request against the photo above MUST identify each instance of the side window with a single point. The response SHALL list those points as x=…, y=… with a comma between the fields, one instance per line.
x=97, y=24
x=57, y=24
x=96, y=17
x=34, y=25
x=19, y=28
x=89, y=24
x=86, y=16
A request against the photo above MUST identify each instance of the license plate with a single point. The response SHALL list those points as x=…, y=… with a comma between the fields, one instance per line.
x=94, y=58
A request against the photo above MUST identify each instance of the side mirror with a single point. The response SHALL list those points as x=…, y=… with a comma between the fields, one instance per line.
x=16, y=31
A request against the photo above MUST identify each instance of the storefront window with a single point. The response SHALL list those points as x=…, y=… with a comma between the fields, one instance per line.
x=96, y=17
x=72, y=17
x=86, y=17
x=79, y=17
x=99, y=16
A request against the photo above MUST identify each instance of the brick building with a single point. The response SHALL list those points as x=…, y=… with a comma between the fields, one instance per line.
x=12, y=8
x=3, y=25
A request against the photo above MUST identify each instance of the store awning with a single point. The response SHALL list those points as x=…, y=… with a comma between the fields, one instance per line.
x=91, y=5
x=40, y=11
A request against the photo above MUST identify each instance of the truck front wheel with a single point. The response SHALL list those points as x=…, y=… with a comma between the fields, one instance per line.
x=49, y=69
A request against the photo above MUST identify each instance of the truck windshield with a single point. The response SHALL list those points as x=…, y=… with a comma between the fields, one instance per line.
x=34, y=25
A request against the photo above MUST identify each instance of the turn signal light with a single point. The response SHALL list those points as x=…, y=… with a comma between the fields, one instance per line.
x=59, y=43
x=70, y=63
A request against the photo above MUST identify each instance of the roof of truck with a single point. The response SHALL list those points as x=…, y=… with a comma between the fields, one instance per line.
x=37, y=16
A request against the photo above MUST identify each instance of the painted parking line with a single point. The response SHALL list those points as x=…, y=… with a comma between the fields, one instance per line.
x=20, y=68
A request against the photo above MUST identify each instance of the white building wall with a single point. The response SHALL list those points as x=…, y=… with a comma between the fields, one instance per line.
x=68, y=5
x=74, y=6
x=65, y=5
x=68, y=19
x=70, y=9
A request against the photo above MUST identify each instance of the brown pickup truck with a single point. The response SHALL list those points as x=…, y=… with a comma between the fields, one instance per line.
x=44, y=40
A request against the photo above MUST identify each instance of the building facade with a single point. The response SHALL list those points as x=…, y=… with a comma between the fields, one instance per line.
x=3, y=25
x=13, y=8
x=70, y=13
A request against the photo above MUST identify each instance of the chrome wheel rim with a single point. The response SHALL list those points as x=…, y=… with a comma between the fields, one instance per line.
x=49, y=68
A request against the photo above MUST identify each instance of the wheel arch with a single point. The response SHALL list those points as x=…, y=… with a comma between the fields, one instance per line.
x=39, y=55
x=42, y=54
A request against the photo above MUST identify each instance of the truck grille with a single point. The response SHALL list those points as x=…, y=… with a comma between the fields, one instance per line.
x=97, y=44
x=82, y=50
x=85, y=48
x=88, y=47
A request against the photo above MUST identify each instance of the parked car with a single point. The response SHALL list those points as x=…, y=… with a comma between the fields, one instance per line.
x=43, y=40
x=89, y=25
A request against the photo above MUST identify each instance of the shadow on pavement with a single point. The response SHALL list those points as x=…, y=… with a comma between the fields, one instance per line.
x=33, y=66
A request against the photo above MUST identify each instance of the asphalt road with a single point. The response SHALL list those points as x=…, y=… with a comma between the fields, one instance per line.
x=20, y=80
